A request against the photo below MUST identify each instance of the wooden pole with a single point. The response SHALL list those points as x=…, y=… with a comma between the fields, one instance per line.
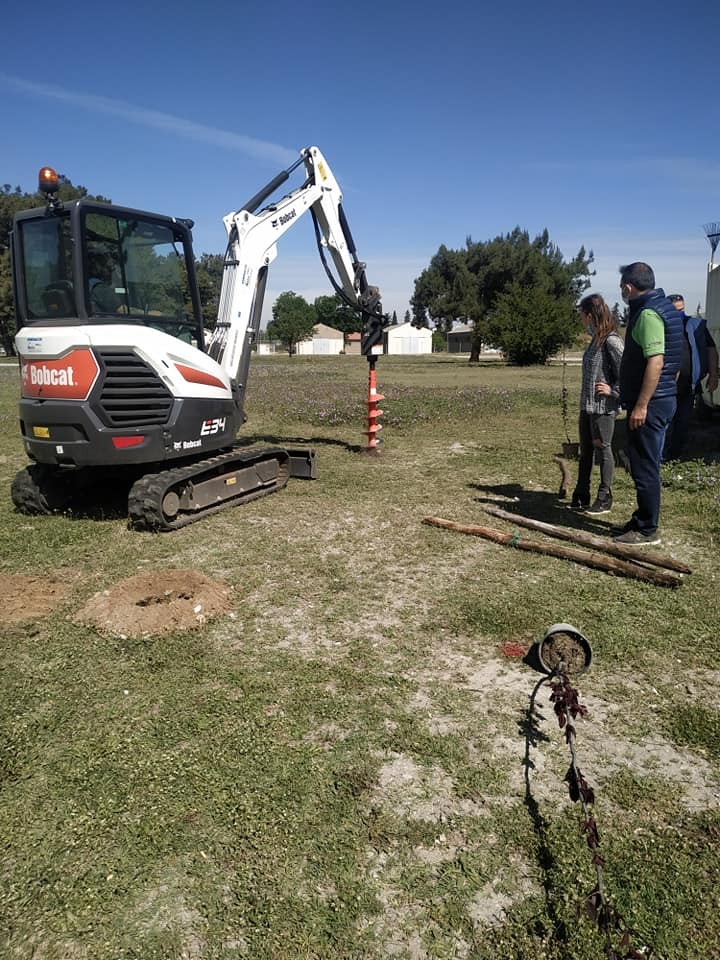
x=590, y=540
x=599, y=561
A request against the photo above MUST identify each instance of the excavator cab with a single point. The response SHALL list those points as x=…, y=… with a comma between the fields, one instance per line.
x=85, y=262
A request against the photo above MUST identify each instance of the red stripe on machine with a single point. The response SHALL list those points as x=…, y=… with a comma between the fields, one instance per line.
x=192, y=375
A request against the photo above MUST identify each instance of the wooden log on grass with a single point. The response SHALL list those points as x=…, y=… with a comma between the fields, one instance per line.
x=590, y=540
x=599, y=561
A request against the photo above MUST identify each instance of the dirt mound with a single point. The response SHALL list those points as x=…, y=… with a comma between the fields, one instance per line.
x=158, y=602
x=28, y=598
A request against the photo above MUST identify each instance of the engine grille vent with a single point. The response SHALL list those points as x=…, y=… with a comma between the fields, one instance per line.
x=132, y=393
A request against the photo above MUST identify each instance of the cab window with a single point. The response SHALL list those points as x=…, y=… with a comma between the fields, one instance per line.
x=136, y=268
x=46, y=251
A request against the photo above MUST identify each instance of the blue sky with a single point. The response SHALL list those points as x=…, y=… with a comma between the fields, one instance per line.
x=439, y=121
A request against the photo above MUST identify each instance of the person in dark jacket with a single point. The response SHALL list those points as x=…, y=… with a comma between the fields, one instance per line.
x=103, y=298
x=648, y=373
x=699, y=360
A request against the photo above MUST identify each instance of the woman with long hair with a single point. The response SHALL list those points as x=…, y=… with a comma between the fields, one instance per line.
x=599, y=404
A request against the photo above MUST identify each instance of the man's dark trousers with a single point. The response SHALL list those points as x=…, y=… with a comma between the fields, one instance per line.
x=645, y=445
x=678, y=430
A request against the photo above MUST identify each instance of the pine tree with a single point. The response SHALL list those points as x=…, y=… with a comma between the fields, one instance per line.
x=518, y=293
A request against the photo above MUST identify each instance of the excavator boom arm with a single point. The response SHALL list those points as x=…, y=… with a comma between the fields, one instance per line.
x=252, y=246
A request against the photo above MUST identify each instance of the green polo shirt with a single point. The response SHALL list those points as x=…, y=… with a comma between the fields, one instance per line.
x=649, y=333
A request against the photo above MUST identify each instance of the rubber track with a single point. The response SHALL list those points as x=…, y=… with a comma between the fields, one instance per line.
x=26, y=495
x=37, y=490
x=147, y=494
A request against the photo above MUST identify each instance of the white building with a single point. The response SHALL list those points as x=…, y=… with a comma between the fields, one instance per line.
x=325, y=340
x=404, y=338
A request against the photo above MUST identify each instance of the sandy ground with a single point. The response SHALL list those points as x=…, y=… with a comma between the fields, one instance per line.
x=149, y=603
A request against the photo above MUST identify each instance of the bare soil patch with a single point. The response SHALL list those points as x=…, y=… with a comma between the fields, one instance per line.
x=419, y=793
x=158, y=602
x=29, y=598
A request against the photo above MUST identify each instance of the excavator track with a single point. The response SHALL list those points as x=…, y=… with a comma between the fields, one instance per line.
x=176, y=497
x=40, y=489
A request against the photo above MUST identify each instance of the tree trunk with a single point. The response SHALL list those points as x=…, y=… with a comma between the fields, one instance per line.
x=590, y=540
x=598, y=561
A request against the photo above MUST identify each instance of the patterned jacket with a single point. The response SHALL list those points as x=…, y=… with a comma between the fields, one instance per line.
x=601, y=363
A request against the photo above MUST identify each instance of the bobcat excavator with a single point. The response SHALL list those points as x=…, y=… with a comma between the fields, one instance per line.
x=115, y=369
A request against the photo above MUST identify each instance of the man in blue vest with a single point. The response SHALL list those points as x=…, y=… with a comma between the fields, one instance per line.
x=699, y=360
x=648, y=374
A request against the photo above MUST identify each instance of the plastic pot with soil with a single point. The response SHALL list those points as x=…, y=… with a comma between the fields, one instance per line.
x=563, y=644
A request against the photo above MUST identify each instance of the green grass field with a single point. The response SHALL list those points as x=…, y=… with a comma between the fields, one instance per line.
x=345, y=767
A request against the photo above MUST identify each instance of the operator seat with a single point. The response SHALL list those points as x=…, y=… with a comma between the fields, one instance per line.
x=59, y=299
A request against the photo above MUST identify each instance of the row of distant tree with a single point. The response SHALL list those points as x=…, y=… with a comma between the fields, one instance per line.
x=517, y=293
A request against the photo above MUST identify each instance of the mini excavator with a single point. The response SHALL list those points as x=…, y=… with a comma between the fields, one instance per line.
x=115, y=368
